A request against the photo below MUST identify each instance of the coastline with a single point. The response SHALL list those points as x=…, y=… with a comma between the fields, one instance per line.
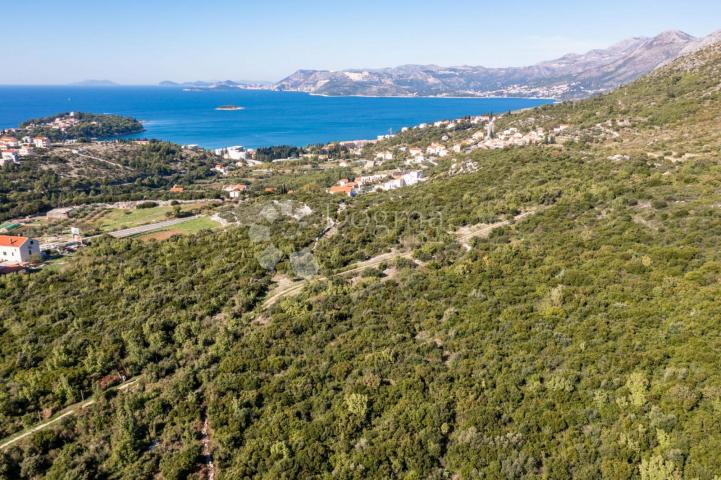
x=554, y=100
x=291, y=119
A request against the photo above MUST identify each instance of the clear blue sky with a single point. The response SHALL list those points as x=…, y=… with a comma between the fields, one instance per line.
x=143, y=42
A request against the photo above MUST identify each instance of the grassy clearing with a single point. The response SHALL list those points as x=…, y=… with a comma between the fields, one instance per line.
x=116, y=219
x=187, y=228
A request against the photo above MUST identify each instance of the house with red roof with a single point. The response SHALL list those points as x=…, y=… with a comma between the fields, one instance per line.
x=348, y=189
x=17, y=250
x=9, y=142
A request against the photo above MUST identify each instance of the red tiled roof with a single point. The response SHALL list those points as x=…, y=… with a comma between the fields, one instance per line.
x=340, y=189
x=10, y=241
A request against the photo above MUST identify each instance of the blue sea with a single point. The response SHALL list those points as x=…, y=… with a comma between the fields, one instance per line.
x=267, y=118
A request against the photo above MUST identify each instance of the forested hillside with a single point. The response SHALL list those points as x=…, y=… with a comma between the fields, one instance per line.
x=97, y=173
x=574, y=335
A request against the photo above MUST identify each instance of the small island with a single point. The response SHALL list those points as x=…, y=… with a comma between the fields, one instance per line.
x=80, y=126
x=229, y=108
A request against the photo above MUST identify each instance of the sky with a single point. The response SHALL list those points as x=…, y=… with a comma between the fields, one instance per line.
x=145, y=42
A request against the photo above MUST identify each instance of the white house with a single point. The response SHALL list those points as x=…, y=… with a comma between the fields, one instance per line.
x=41, y=142
x=437, y=149
x=234, y=191
x=411, y=178
x=8, y=156
x=392, y=184
x=9, y=142
x=236, y=153
x=17, y=249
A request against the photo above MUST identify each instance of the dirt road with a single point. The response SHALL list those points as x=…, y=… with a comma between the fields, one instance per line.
x=71, y=410
x=483, y=230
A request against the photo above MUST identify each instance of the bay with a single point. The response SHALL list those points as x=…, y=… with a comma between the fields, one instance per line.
x=267, y=118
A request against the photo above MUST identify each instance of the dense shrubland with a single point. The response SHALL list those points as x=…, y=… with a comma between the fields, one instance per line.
x=581, y=342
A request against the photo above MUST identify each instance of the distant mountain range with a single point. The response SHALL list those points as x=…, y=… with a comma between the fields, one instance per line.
x=221, y=85
x=95, y=83
x=569, y=77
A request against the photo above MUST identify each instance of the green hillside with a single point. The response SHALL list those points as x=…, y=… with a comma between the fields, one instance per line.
x=575, y=336
x=99, y=173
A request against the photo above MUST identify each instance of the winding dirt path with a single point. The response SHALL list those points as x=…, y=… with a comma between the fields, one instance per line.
x=71, y=410
x=483, y=230
x=286, y=287
x=209, y=467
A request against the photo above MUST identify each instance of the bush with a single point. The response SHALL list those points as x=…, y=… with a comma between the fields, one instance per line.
x=147, y=205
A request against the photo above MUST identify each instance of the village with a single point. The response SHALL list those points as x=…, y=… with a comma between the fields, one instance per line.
x=389, y=162
x=61, y=123
x=12, y=148
x=16, y=143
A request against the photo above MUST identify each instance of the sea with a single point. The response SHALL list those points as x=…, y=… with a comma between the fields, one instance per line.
x=266, y=118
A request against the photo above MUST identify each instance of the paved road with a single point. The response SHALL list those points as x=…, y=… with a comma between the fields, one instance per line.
x=129, y=232
x=71, y=410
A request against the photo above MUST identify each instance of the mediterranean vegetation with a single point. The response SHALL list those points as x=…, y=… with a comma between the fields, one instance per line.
x=105, y=173
x=577, y=336
x=83, y=126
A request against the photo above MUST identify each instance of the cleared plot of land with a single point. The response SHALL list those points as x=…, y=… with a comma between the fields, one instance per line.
x=160, y=236
x=193, y=225
x=153, y=227
x=117, y=218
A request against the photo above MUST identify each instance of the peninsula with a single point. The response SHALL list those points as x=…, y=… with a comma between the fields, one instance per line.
x=79, y=126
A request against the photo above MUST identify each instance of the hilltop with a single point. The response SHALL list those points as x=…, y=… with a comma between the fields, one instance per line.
x=541, y=310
